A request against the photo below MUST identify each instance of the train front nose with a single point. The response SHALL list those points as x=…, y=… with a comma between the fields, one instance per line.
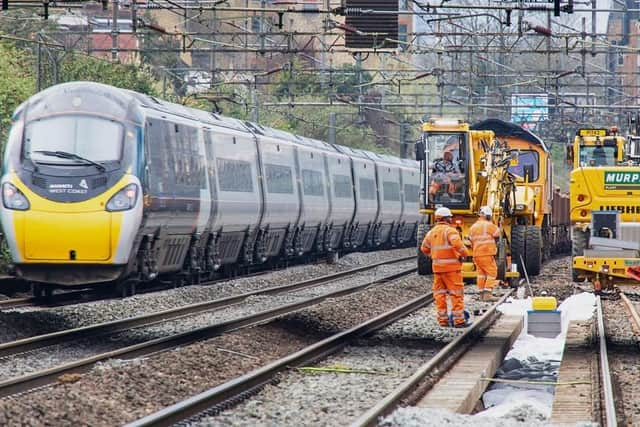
x=79, y=236
x=71, y=243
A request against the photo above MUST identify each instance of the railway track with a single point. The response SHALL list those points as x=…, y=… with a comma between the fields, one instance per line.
x=89, y=295
x=216, y=397
x=47, y=376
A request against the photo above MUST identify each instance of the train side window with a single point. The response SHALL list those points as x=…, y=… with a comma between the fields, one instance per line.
x=234, y=175
x=367, y=189
x=312, y=183
x=160, y=159
x=342, y=187
x=411, y=193
x=279, y=179
x=391, y=191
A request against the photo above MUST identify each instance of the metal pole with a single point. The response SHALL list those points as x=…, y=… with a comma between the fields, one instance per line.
x=255, y=113
x=262, y=18
x=38, y=63
x=212, y=56
x=114, y=30
x=332, y=128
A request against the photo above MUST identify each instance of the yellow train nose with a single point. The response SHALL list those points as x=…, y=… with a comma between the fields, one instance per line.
x=82, y=236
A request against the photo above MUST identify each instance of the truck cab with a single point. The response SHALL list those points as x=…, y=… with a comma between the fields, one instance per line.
x=596, y=147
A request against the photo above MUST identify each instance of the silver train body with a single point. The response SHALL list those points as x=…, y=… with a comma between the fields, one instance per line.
x=162, y=188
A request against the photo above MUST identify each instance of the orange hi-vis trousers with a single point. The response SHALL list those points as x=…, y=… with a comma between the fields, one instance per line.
x=487, y=272
x=449, y=283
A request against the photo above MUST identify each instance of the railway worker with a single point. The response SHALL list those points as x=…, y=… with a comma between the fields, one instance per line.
x=482, y=235
x=444, y=245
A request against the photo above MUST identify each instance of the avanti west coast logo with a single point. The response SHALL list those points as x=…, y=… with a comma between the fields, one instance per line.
x=621, y=180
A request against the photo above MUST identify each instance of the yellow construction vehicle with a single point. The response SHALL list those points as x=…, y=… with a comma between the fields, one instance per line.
x=596, y=147
x=464, y=169
x=605, y=211
x=541, y=219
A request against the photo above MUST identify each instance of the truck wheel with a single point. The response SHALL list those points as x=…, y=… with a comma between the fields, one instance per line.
x=501, y=260
x=518, y=239
x=424, y=262
x=533, y=250
x=579, y=241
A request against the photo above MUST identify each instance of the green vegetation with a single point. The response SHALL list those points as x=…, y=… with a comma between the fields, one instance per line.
x=16, y=85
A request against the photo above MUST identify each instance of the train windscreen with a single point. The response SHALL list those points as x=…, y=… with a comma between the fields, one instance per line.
x=94, y=138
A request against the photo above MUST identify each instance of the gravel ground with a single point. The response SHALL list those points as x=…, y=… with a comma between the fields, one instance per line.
x=118, y=392
x=624, y=359
x=334, y=399
x=625, y=368
x=55, y=355
x=617, y=323
x=555, y=279
x=25, y=322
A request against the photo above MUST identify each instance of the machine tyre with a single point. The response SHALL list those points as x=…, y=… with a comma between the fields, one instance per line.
x=425, y=267
x=579, y=241
x=501, y=259
x=518, y=245
x=533, y=250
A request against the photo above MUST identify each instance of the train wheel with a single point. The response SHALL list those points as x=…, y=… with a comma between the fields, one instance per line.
x=533, y=250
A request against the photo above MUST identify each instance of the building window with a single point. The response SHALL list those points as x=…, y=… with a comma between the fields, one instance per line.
x=403, y=4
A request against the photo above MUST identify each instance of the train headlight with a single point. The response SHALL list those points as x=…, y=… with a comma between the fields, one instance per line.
x=124, y=199
x=520, y=206
x=12, y=198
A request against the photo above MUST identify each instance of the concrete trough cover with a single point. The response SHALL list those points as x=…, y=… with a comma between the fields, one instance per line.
x=573, y=404
x=462, y=386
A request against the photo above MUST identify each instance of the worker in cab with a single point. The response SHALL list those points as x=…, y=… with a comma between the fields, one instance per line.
x=447, y=251
x=483, y=235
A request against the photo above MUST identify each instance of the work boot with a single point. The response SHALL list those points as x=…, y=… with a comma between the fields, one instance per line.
x=486, y=296
x=466, y=324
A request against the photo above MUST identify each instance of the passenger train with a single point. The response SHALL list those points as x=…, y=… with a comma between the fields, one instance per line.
x=104, y=185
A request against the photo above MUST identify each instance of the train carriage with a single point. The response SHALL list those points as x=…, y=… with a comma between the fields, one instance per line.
x=140, y=187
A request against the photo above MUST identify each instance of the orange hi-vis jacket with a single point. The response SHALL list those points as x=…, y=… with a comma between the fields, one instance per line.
x=482, y=235
x=445, y=246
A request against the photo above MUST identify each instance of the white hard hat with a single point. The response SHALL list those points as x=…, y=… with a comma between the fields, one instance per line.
x=485, y=211
x=443, y=212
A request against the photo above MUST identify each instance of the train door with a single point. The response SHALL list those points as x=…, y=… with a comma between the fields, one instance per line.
x=315, y=201
x=159, y=174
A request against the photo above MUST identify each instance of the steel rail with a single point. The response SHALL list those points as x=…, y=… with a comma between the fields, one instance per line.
x=101, y=293
x=17, y=302
x=462, y=342
x=48, y=376
x=607, y=389
x=40, y=341
x=198, y=403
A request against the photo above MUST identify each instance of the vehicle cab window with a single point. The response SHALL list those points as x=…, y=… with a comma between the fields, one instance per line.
x=447, y=181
